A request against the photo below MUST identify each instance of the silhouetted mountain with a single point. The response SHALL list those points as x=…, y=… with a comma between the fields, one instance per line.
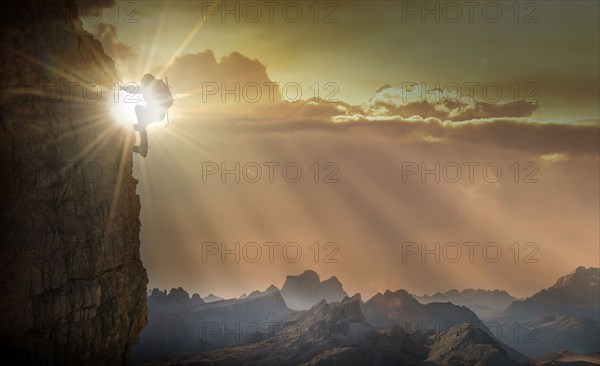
x=212, y=298
x=256, y=293
x=338, y=334
x=574, y=294
x=178, y=324
x=484, y=303
x=299, y=337
x=401, y=308
x=303, y=291
x=564, y=316
x=546, y=334
x=390, y=328
x=176, y=300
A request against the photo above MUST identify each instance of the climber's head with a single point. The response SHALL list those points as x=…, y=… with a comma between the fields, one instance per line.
x=147, y=79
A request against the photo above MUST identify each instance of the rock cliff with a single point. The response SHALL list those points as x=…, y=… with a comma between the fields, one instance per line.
x=72, y=282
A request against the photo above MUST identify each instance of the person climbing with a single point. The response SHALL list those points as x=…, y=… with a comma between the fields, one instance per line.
x=158, y=98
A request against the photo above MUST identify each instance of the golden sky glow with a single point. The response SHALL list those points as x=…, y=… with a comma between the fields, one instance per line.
x=373, y=55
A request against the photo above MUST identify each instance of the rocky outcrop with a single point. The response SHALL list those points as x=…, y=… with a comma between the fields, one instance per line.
x=575, y=294
x=468, y=344
x=303, y=291
x=400, y=307
x=257, y=293
x=72, y=282
x=563, y=316
x=212, y=298
x=178, y=324
x=178, y=299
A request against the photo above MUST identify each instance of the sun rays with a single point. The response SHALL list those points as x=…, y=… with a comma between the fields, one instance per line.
x=369, y=213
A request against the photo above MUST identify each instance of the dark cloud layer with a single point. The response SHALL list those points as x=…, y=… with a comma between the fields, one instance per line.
x=203, y=79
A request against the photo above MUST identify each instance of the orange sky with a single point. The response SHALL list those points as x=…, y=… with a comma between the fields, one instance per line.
x=378, y=127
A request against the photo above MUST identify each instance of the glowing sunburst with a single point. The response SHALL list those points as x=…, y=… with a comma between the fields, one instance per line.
x=123, y=112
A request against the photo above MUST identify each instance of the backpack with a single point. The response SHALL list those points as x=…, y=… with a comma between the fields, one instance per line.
x=162, y=94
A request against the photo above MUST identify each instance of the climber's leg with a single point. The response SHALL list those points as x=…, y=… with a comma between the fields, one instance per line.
x=142, y=114
x=142, y=148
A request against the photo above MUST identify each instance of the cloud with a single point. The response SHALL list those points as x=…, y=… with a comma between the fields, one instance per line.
x=107, y=35
x=237, y=79
x=408, y=115
x=447, y=105
x=555, y=157
x=234, y=79
x=437, y=119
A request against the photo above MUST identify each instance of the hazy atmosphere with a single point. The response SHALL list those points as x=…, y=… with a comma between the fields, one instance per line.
x=520, y=115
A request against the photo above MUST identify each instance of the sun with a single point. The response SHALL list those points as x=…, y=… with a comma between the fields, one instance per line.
x=123, y=112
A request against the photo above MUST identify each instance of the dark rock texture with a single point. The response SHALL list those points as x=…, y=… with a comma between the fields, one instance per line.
x=72, y=282
x=468, y=344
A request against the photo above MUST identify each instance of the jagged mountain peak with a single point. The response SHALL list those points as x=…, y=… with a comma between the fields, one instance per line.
x=580, y=278
x=305, y=290
x=321, y=307
x=268, y=290
x=356, y=297
x=332, y=279
x=212, y=298
x=178, y=294
x=565, y=315
x=350, y=308
x=396, y=296
x=272, y=288
x=575, y=294
x=308, y=274
x=392, y=307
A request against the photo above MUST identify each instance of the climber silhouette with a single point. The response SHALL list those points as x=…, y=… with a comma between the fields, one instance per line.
x=158, y=100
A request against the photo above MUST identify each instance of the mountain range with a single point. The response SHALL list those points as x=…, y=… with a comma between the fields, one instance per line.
x=485, y=303
x=339, y=334
x=315, y=322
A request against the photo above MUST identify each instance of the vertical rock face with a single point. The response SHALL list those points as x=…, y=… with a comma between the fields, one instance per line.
x=72, y=285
